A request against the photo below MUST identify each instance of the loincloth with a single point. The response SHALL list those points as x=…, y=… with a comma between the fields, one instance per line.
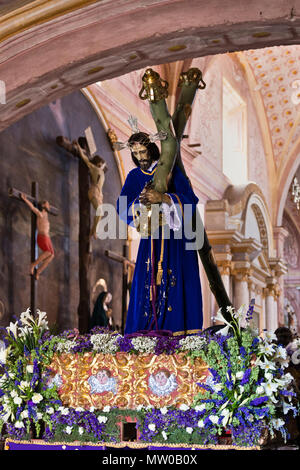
x=44, y=243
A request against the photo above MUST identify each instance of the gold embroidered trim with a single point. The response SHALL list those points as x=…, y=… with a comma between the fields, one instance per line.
x=131, y=445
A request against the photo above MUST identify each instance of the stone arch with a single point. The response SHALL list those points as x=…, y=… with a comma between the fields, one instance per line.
x=248, y=199
x=257, y=205
x=101, y=40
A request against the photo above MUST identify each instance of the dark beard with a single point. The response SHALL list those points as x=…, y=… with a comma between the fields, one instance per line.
x=145, y=165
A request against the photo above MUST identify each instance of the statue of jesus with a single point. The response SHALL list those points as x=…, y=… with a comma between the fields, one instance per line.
x=43, y=237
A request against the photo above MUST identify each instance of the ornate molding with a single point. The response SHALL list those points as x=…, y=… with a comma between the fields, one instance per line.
x=36, y=13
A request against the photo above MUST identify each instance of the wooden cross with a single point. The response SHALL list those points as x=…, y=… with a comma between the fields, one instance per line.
x=84, y=243
x=125, y=285
x=34, y=198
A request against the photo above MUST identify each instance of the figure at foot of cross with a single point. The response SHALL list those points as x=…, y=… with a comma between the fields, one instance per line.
x=43, y=237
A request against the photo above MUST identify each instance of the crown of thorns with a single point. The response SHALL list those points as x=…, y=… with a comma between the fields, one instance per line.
x=162, y=135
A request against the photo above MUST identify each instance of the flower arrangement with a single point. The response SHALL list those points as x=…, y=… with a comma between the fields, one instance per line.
x=247, y=391
x=248, y=388
x=25, y=399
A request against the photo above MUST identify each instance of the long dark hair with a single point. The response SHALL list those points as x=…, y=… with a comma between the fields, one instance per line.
x=143, y=139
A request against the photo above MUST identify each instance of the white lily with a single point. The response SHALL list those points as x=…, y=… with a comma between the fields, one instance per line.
x=277, y=423
x=13, y=328
x=269, y=336
x=267, y=365
x=214, y=419
x=42, y=319
x=219, y=317
x=26, y=318
x=267, y=348
x=3, y=355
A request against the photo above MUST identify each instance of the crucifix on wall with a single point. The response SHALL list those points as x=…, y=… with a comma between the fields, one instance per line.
x=91, y=176
x=40, y=237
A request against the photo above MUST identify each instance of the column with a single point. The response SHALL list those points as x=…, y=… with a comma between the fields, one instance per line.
x=271, y=293
x=241, y=272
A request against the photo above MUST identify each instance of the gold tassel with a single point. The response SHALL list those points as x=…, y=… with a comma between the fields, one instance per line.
x=159, y=274
x=159, y=266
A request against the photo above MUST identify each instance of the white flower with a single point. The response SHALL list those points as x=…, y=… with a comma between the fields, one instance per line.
x=63, y=410
x=286, y=407
x=144, y=344
x=80, y=430
x=164, y=410
x=192, y=343
x=79, y=408
x=12, y=328
x=66, y=345
x=19, y=424
x=68, y=429
x=164, y=435
x=184, y=407
x=50, y=410
x=37, y=398
x=106, y=409
x=270, y=388
x=269, y=336
x=29, y=369
x=200, y=407
x=24, y=384
x=92, y=409
x=42, y=322
x=201, y=423
x=152, y=427
x=13, y=393
x=105, y=343
x=267, y=365
x=24, y=414
x=26, y=318
x=281, y=353
x=3, y=353
x=277, y=423
x=260, y=390
x=239, y=375
x=102, y=419
x=214, y=419
x=219, y=317
x=17, y=400
x=267, y=348
x=189, y=430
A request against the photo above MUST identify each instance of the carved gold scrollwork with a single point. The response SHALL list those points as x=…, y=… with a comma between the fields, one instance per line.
x=143, y=379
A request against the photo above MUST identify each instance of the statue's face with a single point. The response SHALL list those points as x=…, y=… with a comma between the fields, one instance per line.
x=161, y=378
x=141, y=153
x=46, y=205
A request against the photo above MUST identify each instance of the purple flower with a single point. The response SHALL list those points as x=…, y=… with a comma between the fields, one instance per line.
x=246, y=376
x=258, y=401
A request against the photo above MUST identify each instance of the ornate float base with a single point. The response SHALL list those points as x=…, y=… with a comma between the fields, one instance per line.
x=37, y=444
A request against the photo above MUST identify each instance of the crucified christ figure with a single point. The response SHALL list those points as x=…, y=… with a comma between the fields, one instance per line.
x=43, y=237
x=97, y=168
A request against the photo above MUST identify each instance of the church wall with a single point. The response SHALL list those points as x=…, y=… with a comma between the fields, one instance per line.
x=29, y=153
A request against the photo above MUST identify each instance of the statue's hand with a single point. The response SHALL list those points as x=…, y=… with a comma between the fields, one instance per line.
x=150, y=196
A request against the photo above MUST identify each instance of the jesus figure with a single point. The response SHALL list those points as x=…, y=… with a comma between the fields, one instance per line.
x=166, y=289
x=43, y=236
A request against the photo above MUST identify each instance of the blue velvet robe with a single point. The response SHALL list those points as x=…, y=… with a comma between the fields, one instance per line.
x=178, y=299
